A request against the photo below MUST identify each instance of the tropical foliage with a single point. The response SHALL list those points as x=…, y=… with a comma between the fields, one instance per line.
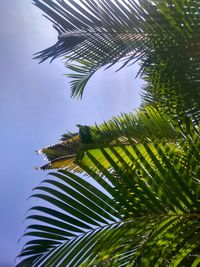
x=134, y=200
x=147, y=213
x=162, y=34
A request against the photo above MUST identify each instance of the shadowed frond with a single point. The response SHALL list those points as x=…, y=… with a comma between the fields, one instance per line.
x=162, y=35
x=92, y=36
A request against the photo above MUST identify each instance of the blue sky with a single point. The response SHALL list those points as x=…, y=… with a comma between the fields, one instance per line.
x=36, y=109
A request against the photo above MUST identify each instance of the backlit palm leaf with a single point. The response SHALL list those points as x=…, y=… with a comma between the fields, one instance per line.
x=125, y=129
x=162, y=35
x=147, y=215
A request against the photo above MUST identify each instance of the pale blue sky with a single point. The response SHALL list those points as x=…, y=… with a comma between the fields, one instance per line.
x=36, y=109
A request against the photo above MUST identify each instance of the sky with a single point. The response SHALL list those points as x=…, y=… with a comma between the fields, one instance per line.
x=36, y=109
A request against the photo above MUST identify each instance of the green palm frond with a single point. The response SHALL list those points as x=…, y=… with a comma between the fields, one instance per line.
x=91, y=25
x=92, y=36
x=139, y=203
x=146, y=125
x=147, y=214
x=162, y=35
x=81, y=73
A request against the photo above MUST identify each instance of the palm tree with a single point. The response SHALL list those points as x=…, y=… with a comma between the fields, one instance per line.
x=138, y=201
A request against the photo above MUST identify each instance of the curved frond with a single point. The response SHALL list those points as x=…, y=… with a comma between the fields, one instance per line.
x=147, y=214
x=162, y=35
x=139, y=205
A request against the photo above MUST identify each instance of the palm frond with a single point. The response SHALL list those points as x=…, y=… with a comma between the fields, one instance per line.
x=163, y=35
x=91, y=33
x=82, y=71
x=146, y=124
x=148, y=214
x=140, y=204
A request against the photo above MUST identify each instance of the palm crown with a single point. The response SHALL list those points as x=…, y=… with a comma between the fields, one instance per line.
x=139, y=203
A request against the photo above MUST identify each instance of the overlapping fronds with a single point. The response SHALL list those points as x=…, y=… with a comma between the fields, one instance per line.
x=147, y=215
x=94, y=34
x=140, y=205
x=146, y=125
x=163, y=35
